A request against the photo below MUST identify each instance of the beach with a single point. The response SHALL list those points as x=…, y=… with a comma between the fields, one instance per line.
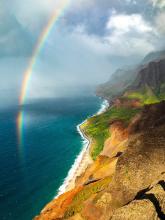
x=83, y=160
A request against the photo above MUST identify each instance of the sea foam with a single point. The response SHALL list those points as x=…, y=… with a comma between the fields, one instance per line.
x=85, y=148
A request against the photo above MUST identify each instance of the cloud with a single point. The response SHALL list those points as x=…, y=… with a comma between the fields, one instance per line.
x=82, y=4
x=91, y=40
x=95, y=43
x=11, y=74
x=158, y=3
x=159, y=21
x=126, y=23
x=129, y=34
x=106, y=27
x=33, y=15
x=14, y=39
x=126, y=35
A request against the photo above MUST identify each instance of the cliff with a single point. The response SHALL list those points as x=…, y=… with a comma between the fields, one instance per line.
x=127, y=177
x=150, y=72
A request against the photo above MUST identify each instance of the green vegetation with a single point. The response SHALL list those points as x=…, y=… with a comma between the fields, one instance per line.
x=97, y=127
x=148, y=96
x=145, y=96
x=161, y=93
x=84, y=194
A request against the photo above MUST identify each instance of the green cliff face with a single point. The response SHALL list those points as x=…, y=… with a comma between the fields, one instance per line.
x=145, y=81
x=97, y=127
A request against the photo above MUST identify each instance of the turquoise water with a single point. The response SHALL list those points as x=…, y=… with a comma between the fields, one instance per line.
x=32, y=172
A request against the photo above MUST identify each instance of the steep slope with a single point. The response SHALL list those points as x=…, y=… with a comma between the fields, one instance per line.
x=127, y=177
x=148, y=72
x=138, y=171
x=149, y=85
x=118, y=82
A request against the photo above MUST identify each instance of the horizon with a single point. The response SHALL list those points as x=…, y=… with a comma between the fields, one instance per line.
x=81, y=48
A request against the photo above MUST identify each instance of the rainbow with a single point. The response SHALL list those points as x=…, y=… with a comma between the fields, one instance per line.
x=40, y=43
x=59, y=10
x=20, y=130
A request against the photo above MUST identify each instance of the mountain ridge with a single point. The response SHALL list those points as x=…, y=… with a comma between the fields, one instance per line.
x=123, y=79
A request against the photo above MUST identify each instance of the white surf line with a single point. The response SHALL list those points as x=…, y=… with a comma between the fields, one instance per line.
x=85, y=150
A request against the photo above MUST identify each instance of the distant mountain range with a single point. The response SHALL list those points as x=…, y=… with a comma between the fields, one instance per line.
x=150, y=72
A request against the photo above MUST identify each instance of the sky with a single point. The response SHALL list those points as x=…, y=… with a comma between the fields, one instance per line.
x=89, y=42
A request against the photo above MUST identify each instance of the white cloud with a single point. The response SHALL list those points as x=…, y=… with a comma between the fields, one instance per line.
x=125, y=23
x=126, y=35
x=129, y=34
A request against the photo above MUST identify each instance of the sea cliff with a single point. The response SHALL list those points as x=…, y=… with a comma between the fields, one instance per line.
x=126, y=179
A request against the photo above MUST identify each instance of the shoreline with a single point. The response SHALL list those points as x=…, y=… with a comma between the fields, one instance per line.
x=83, y=160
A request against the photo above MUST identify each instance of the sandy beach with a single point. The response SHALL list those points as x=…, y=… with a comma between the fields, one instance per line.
x=81, y=163
x=83, y=160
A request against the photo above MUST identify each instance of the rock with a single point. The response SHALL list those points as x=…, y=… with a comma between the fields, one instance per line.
x=116, y=143
x=101, y=168
x=76, y=217
x=151, y=116
x=90, y=211
x=104, y=200
x=140, y=165
x=136, y=210
x=159, y=197
x=149, y=206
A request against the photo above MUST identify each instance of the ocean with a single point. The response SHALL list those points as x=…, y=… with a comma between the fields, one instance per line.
x=37, y=153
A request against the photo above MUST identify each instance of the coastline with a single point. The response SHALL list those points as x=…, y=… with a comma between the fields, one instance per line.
x=83, y=160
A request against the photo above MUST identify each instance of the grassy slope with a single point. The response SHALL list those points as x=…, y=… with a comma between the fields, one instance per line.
x=97, y=127
x=147, y=95
x=84, y=194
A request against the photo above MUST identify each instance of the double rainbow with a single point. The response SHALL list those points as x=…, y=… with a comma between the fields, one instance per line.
x=58, y=12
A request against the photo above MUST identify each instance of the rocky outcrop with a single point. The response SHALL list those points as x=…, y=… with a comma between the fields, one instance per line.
x=151, y=116
x=149, y=205
x=137, y=210
x=116, y=144
x=103, y=166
